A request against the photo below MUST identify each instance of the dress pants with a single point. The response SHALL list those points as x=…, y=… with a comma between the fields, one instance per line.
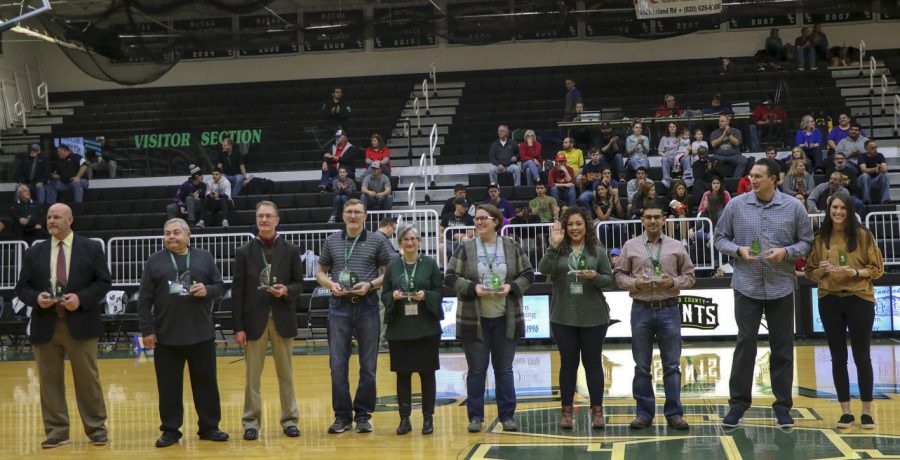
x=169, y=361
x=50, y=358
x=282, y=351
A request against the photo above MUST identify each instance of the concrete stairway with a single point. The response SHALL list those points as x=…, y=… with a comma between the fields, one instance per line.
x=443, y=101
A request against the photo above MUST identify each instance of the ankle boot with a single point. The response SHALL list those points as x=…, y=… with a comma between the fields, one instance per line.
x=428, y=424
x=597, y=420
x=404, y=427
x=565, y=418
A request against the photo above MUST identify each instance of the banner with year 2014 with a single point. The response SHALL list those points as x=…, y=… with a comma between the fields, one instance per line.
x=661, y=9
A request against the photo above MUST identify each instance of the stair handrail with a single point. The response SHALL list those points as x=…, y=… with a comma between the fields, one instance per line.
x=411, y=196
x=425, y=93
x=433, y=75
x=896, y=115
x=31, y=86
x=872, y=65
x=862, y=55
x=432, y=146
x=418, y=118
x=23, y=95
x=423, y=170
x=406, y=134
x=19, y=109
x=884, y=85
x=44, y=94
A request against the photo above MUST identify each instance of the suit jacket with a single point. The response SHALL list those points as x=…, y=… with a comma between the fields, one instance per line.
x=88, y=278
x=250, y=307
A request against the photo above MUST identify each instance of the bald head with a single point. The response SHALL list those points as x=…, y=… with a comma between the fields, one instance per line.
x=59, y=220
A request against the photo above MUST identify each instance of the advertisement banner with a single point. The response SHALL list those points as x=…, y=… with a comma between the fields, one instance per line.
x=661, y=9
x=885, y=296
x=536, y=312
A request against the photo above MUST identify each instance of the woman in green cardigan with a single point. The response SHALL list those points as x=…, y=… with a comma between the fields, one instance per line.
x=413, y=313
x=579, y=315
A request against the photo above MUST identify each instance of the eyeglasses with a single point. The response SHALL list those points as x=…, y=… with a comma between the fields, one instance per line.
x=410, y=239
x=354, y=212
x=266, y=216
x=483, y=218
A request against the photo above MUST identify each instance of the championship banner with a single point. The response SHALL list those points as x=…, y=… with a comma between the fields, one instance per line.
x=656, y=9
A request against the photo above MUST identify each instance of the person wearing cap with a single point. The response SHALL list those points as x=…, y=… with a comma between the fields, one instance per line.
x=189, y=199
x=376, y=189
x=69, y=174
x=767, y=123
x=614, y=256
x=562, y=181
x=31, y=170
x=502, y=155
x=574, y=156
x=342, y=154
x=459, y=191
x=494, y=198
x=458, y=218
x=232, y=165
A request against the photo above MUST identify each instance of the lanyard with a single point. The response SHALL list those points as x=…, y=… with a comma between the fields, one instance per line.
x=575, y=257
x=187, y=264
x=348, y=252
x=658, y=250
x=410, y=276
x=488, y=256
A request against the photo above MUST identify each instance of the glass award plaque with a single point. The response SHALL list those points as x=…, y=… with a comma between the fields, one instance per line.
x=58, y=291
x=184, y=280
x=347, y=279
x=842, y=258
x=759, y=248
x=656, y=272
x=407, y=287
x=266, y=278
x=492, y=282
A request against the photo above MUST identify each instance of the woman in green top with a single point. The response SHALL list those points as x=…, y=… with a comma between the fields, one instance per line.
x=579, y=315
x=413, y=313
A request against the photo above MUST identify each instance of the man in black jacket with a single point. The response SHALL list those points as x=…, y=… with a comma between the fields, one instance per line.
x=69, y=175
x=65, y=279
x=503, y=155
x=268, y=278
x=28, y=216
x=31, y=170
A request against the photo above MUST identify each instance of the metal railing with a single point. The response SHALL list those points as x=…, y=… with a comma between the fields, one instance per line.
x=126, y=256
x=885, y=226
x=449, y=244
x=862, y=55
x=310, y=242
x=534, y=239
x=426, y=221
x=102, y=243
x=696, y=233
x=896, y=115
x=11, y=262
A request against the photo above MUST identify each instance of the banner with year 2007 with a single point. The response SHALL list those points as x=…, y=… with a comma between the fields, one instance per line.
x=660, y=9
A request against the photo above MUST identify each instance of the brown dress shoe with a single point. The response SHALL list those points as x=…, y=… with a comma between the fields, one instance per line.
x=639, y=423
x=597, y=419
x=565, y=418
x=677, y=422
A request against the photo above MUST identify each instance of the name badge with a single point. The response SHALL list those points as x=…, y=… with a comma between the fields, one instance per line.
x=411, y=309
x=174, y=288
x=576, y=288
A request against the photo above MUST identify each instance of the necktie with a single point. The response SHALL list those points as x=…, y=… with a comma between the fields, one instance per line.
x=61, y=278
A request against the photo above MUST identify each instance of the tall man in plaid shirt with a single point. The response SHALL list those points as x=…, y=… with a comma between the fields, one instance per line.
x=765, y=232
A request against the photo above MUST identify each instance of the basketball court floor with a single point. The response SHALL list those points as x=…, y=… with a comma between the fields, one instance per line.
x=130, y=388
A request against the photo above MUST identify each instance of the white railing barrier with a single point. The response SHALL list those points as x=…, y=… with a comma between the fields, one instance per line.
x=432, y=146
x=99, y=240
x=884, y=85
x=449, y=241
x=310, y=242
x=126, y=256
x=896, y=115
x=433, y=75
x=423, y=171
x=44, y=95
x=418, y=117
x=19, y=109
x=696, y=233
x=534, y=239
x=426, y=221
x=32, y=86
x=885, y=226
x=411, y=195
x=11, y=262
x=425, y=93
x=24, y=92
x=872, y=64
x=862, y=54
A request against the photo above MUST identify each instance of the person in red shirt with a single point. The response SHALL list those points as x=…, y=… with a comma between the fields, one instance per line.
x=530, y=156
x=379, y=152
x=744, y=185
x=767, y=123
x=342, y=154
x=669, y=108
x=562, y=180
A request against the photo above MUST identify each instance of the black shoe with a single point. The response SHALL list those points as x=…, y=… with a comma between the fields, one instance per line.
x=251, y=434
x=50, y=443
x=783, y=419
x=846, y=421
x=339, y=426
x=214, y=435
x=733, y=418
x=167, y=439
x=363, y=426
x=291, y=431
x=404, y=426
x=866, y=421
x=428, y=424
x=99, y=440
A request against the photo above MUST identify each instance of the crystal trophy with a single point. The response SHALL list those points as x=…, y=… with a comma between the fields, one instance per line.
x=842, y=258
x=347, y=279
x=266, y=278
x=184, y=280
x=758, y=248
x=58, y=291
x=492, y=282
x=408, y=287
x=656, y=272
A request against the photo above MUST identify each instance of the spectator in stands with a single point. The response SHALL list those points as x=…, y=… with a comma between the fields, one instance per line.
x=774, y=45
x=489, y=274
x=840, y=131
x=798, y=182
x=676, y=162
x=31, y=170
x=68, y=175
x=854, y=144
x=607, y=179
x=644, y=197
x=189, y=200
x=679, y=200
x=543, y=206
x=573, y=96
x=804, y=50
x=635, y=184
x=669, y=108
x=698, y=142
x=335, y=111
x=841, y=313
x=562, y=181
x=669, y=141
x=809, y=138
x=818, y=199
x=574, y=156
x=717, y=196
x=377, y=151
x=353, y=273
x=342, y=154
x=459, y=191
x=591, y=173
x=581, y=135
x=704, y=168
x=797, y=154
x=499, y=202
x=745, y=186
x=458, y=218
x=502, y=155
x=100, y=160
x=530, y=156
x=725, y=67
x=848, y=172
x=28, y=216
x=579, y=327
x=715, y=107
x=218, y=201
x=614, y=255
x=606, y=203
x=637, y=147
x=181, y=329
x=820, y=43
x=376, y=190
x=726, y=142
x=344, y=189
x=873, y=173
x=611, y=147
x=232, y=165
x=767, y=124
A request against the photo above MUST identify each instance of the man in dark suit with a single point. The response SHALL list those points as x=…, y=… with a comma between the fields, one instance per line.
x=264, y=315
x=66, y=324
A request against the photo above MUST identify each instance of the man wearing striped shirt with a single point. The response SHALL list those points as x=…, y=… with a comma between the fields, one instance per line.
x=765, y=232
x=352, y=266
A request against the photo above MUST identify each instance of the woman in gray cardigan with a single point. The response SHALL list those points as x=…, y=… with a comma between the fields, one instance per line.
x=490, y=274
x=798, y=182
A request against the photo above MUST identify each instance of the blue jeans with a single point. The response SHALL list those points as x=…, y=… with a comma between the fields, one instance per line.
x=513, y=169
x=532, y=172
x=586, y=200
x=569, y=193
x=815, y=155
x=635, y=163
x=54, y=187
x=237, y=181
x=385, y=203
x=867, y=183
x=804, y=56
x=663, y=326
x=668, y=162
x=500, y=351
x=338, y=204
x=345, y=321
